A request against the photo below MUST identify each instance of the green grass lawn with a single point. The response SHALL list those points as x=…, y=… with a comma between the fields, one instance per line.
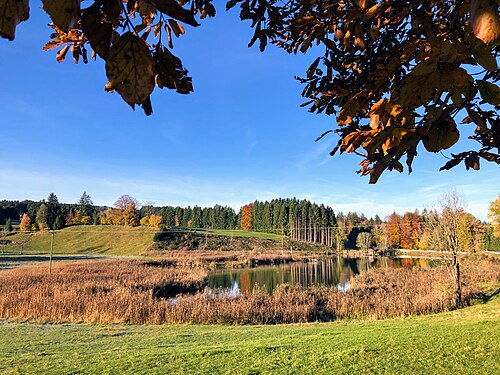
x=108, y=239
x=103, y=240
x=238, y=233
x=460, y=342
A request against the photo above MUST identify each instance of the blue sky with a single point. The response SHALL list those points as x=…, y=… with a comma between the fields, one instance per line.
x=240, y=136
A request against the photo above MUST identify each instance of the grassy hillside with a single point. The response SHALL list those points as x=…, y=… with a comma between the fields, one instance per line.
x=111, y=240
x=463, y=342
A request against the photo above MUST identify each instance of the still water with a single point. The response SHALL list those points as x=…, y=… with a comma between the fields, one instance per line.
x=336, y=271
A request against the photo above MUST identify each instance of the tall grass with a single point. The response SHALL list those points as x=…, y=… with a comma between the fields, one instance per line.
x=137, y=291
x=126, y=291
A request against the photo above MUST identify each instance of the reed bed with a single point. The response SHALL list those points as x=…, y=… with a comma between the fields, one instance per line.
x=138, y=291
x=117, y=291
x=227, y=259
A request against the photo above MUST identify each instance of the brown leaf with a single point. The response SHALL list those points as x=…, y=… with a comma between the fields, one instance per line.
x=64, y=13
x=450, y=164
x=176, y=27
x=484, y=57
x=348, y=111
x=442, y=134
x=12, y=13
x=472, y=161
x=130, y=69
x=490, y=156
x=61, y=55
x=97, y=30
x=174, y=10
x=489, y=92
x=477, y=119
x=171, y=73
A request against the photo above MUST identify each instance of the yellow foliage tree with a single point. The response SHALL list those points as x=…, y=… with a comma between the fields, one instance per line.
x=151, y=221
x=25, y=223
x=155, y=220
x=130, y=217
x=494, y=216
x=85, y=220
x=145, y=221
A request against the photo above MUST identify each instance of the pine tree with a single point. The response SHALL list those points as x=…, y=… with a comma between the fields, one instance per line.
x=85, y=205
x=8, y=225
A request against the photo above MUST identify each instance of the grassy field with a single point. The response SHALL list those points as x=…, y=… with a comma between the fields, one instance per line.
x=239, y=233
x=466, y=341
x=105, y=240
x=110, y=240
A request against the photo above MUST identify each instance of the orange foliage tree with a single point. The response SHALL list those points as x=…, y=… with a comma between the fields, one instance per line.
x=410, y=230
x=246, y=217
x=392, y=228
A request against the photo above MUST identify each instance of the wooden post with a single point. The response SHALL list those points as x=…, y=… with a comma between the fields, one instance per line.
x=51, y=250
x=282, y=243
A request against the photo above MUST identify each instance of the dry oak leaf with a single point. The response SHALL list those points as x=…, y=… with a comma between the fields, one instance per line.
x=64, y=13
x=130, y=69
x=12, y=13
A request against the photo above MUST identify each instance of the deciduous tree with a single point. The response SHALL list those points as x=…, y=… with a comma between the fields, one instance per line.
x=25, y=224
x=364, y=241
x=42, y=217
x=246, y=217
x=494, y=216
x=443, y=229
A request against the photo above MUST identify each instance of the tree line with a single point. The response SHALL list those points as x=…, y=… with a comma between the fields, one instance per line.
x=301, y=220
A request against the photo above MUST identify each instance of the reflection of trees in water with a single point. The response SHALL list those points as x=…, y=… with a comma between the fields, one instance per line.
x=336, y=271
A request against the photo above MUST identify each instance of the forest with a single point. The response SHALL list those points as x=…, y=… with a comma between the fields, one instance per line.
x=300, y=220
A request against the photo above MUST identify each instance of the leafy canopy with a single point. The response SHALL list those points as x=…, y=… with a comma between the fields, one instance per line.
x=395, y=73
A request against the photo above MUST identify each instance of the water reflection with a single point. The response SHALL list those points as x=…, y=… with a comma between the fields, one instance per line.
x=336, y=271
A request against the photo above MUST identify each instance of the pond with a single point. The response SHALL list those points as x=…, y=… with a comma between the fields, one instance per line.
x=335, y=271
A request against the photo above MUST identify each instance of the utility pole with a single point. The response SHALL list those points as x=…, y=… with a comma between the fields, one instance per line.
x=51, y=250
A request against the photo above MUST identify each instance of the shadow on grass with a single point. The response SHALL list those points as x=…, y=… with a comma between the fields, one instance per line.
x=488, y=297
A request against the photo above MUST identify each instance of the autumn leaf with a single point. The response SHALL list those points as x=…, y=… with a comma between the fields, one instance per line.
x=176, y=27
x=484, y=57
x=12, y=13
x=130, y=69
x=61, y=55
x=472, y=161
x=97, y=30
x=174, y=10
x=489, y=91
x=450, y=164
x=442, y=134
x=171, y=73
x=64, y=13
x=485, y=20
x=349, y=110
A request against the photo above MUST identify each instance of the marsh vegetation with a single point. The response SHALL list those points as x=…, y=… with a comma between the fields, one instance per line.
x=139, y=291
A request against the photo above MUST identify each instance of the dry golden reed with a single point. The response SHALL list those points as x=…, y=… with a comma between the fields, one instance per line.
x=138, y=291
